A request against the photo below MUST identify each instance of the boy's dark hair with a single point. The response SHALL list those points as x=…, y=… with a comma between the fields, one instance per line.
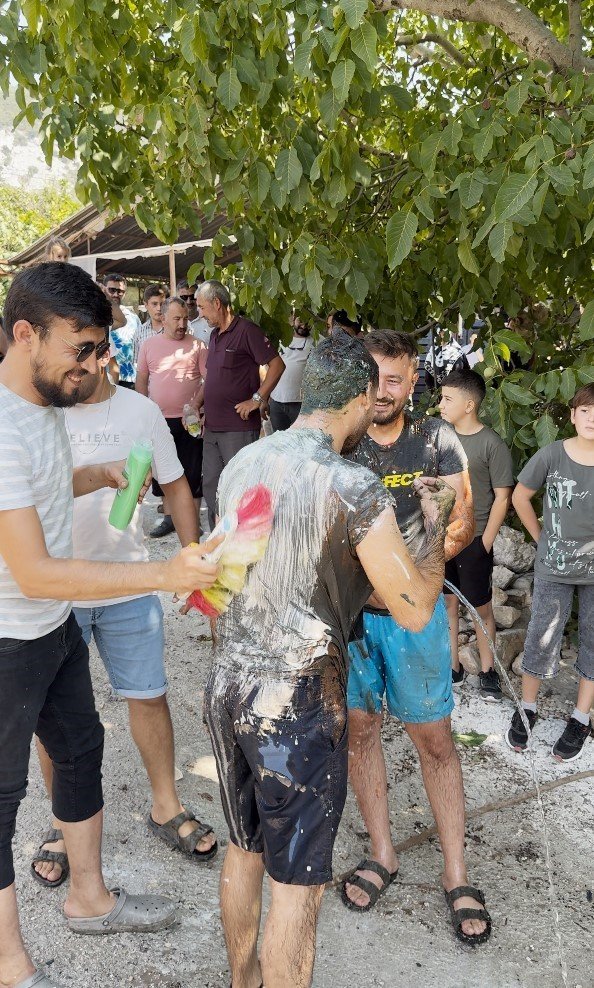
x=40, y=293
x=151, y=291
x=584, y=396
x=114, y=276
x=341, y=319
x=469, y=382
x=389, y=343
x=337, y=370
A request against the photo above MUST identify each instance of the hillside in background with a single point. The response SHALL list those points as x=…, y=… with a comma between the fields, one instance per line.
x=21, y=157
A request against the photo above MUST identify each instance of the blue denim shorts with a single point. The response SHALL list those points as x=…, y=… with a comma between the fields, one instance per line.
x=412, y=669
x=130, y=640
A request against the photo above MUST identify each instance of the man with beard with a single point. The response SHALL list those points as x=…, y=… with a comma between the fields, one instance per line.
x=275, y=701
x=285, y=400
x=413, y=670
x=56, y=321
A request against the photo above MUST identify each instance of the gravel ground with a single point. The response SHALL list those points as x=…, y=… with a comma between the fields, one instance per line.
x=407, y=939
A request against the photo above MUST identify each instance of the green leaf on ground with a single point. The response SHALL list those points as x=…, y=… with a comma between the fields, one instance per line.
x=470, y=739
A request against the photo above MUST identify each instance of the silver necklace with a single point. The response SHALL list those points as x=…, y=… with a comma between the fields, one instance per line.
x=102, y=433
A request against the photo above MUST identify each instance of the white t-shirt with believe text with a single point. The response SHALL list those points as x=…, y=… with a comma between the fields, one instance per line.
x=99, y=433
x=35, y=472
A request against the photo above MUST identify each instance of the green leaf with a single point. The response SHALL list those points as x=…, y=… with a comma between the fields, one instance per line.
x=567, y=386
x=516, y=96
x=515, y=342
x=470, y=190
x=330, y=106
x=270, y=282
x=515, y=192
x=451, y=137
x=288, y=169
x=467, y=258
x=186, y=39
x=356, y=285
x=229, y=88
x=545, y=430
x=483, y=142
x=313, y=283
x=364, y=44
x=342, y=76
x=354, y=11
x=429, y=151
x=400, y=233
x=470, y=739
x=303, y=51
x=588, y=231
x=259, y=182
x=517, y=394
x=499, y=239
x=586, y=324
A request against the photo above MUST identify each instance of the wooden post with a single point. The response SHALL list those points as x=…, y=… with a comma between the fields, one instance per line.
x=172, y=278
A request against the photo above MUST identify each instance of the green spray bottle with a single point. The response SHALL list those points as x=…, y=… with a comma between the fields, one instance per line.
x=137, y=465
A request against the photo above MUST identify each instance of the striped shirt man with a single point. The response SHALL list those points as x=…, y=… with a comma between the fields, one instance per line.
x=36, y=472
x=145, y=332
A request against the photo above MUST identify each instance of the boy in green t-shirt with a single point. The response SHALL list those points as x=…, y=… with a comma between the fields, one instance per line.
x=564, y=562
x=491, y=479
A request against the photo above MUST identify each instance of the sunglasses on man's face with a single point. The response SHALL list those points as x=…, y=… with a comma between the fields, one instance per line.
x=117, y=291
x=84, y=352
x=187, y=298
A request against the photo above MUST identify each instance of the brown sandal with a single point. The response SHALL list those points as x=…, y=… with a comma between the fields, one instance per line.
x=169, y=832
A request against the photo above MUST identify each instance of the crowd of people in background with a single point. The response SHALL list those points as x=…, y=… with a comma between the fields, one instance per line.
x=204, y=383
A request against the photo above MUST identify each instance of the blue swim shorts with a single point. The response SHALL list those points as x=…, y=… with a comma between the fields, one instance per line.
x=412, y=669
x=130, y=640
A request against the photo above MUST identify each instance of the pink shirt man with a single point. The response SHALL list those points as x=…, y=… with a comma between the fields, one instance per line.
x=175, y=369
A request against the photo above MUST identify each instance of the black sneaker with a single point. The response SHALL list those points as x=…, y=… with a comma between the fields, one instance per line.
x=570, y=744
x=458, y=675
x=165, y=527
x=490, y=686
x=517, y=736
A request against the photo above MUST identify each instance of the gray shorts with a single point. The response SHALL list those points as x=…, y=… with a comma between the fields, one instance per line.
x=551, y=607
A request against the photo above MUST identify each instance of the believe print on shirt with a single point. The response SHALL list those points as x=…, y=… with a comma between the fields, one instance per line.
x=234, y=360
x=100, y=432
x=565, y=552
x=426, y=447
x=306, y=592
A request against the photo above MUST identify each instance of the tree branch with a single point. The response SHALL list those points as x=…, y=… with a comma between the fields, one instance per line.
x=574, y=16
x=409, y=40
x=519, y=24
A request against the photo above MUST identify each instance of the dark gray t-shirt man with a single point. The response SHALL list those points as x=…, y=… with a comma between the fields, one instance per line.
x=426, y=447
x=489, y=465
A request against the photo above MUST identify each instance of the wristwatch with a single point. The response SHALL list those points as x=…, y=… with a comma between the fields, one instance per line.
x=257, y=398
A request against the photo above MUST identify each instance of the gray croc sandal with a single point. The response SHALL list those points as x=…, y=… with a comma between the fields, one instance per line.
x=169, y=832
x=38, y=980
x=56, y=857
x=131, y=914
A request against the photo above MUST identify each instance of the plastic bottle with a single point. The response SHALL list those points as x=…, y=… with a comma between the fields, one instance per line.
x=137, y=466
x=192, y=420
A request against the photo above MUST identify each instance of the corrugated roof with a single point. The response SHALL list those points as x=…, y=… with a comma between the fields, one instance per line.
x=91, y=232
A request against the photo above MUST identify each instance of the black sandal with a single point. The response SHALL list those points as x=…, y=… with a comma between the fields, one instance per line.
x=169, y=832
x=460, y=915
x=56, y=857
x=365, y=885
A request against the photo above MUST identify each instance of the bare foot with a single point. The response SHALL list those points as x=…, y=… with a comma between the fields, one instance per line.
x=14, y=969
x=356, y=895
x=100, y=904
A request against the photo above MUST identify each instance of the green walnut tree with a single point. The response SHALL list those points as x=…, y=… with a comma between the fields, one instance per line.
x=413, y=159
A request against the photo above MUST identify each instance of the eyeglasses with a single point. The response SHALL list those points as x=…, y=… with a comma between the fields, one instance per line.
x=84, y=352
x=117, y=291
x=187, y=298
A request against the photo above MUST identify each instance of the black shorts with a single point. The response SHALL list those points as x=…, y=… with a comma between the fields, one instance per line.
x=283, y=777
x=189, y=454
x=471, y=571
